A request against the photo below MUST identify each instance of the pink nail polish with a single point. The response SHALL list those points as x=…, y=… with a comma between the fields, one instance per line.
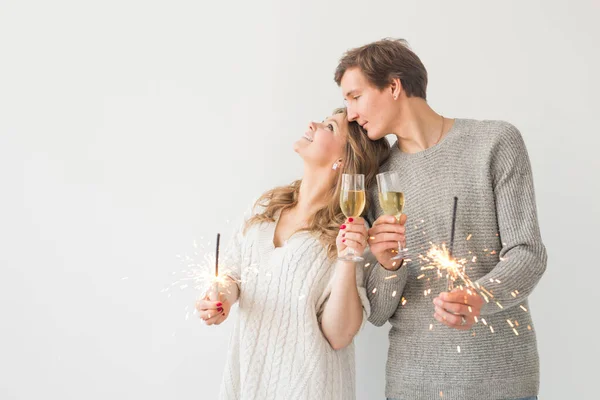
x=350, y=219
x=343, y=227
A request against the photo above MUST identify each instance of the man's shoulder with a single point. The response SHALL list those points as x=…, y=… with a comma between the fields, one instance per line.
x=491, y=130
x=486, y=127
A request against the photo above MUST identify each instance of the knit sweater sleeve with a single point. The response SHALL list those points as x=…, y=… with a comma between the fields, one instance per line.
x=523, y=255
x=383, y=287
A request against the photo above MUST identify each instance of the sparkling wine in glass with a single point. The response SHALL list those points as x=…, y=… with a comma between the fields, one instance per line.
x=391, y=200
x=352, y=202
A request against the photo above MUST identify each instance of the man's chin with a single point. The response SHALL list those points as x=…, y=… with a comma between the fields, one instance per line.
x=374, y=135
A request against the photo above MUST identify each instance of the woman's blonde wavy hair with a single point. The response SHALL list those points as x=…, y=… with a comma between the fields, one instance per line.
x=361, y=156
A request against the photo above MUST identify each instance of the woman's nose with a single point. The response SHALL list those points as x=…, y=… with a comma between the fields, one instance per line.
x=312, y=126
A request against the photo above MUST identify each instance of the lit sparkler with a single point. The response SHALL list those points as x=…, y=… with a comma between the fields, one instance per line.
x=202, y=272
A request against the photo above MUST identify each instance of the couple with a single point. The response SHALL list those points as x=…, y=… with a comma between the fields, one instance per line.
x=300, y=307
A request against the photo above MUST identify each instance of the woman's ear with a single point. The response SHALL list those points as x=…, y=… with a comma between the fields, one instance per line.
x=336, y=164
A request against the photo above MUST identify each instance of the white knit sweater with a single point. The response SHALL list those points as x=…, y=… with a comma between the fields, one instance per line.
x=277, y=350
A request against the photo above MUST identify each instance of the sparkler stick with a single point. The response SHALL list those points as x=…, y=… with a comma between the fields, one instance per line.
x=217, y=256
x=215, y=297
x=449, y=280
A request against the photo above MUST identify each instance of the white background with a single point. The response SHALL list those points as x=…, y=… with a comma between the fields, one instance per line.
x=130, y=128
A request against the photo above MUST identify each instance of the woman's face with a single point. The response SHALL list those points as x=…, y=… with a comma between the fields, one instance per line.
x=323, y=143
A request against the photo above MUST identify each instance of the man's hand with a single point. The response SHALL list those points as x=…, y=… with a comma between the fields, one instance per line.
x=385, y=237
x=458, y=308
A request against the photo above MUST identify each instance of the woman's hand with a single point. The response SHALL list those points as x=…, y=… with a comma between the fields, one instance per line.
x=352, y=234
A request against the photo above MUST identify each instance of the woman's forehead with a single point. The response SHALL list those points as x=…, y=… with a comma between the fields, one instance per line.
x=339, y=118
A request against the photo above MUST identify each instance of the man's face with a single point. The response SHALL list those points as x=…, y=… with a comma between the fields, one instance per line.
x=371, y=107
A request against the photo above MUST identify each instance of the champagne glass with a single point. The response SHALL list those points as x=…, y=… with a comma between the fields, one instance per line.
x=352, y=202
x=391, y=199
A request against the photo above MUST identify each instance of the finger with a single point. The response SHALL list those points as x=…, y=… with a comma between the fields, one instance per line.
x=354, y=244
x=355, y=226
x=387, y=237
x=354, y=229
x=220, y=319
x=395, y=228
x=355, y=220
x=349, y=242
x=456, y=296
x=390, y=219
x=353, y=232
x=357, y=231
x=387, y=228
x=214, y=319
x=357, y=237
x=467, y=297
x=449, y=317
x=445, y=322
x=386, y=219
x=208, y=305
x=208, y=314
x=453, y=320
x=383, y=247
x=456, y=308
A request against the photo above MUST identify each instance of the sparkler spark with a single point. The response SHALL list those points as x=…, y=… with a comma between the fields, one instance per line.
x=204, y=271
x=440, y=258
x=200, y=275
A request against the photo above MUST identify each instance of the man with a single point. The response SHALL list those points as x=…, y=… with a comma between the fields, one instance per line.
x=470, y=343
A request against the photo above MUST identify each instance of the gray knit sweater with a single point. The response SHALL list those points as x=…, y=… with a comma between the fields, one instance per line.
x=485, y=164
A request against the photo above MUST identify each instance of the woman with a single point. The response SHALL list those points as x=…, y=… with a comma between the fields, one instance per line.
x=299, y=307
